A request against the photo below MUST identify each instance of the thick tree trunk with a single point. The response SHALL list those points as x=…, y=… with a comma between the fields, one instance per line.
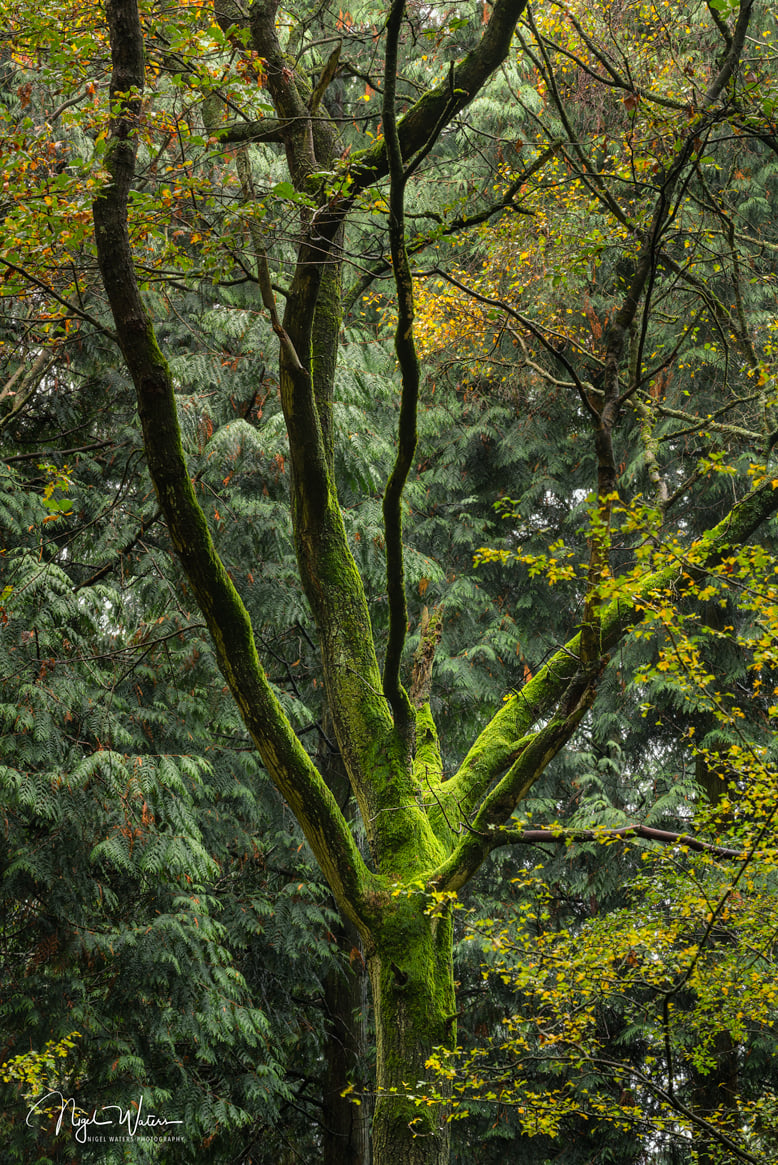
x=715, y=1097
x=346, y=1125
x=411, y=971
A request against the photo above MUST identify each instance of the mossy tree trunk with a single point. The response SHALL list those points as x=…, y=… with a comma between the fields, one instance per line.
x=425, y=836
x=411, y=973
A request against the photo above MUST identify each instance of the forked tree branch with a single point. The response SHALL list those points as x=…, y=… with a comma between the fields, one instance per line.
x=228, y=621
x=504, y=739
x=452, y=95
x=469, y=796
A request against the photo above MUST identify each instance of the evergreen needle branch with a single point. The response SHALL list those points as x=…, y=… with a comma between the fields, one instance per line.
x=107, y=567
x=148, y=647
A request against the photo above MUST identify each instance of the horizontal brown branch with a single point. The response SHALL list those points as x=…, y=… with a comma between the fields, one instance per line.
x=619, y=833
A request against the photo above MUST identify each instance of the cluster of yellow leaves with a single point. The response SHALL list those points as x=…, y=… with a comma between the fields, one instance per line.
x=53, y=142
x=694, y=952
x=37, y=1073
x=694, y=955
x=633, y=77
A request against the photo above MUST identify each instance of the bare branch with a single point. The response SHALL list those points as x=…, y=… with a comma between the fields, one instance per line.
x=605, y=836
x=407, y=358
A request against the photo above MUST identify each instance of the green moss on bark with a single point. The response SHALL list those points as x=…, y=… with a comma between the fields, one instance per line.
x=428, y=763
x=411, y=972
x=446, y=99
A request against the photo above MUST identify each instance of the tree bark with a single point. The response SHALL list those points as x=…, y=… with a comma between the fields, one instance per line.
x=715, y=1096
x=346, y=1125
x=411, y=971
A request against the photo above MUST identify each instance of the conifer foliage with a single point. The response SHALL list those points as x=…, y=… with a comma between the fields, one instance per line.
x=263, y=721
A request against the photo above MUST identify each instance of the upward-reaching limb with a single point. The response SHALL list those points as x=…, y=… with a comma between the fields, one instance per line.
x=227, y=618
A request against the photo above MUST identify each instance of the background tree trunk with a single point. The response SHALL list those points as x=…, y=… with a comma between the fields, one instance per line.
x=346, y=1124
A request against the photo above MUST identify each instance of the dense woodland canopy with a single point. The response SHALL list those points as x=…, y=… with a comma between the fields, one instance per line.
x=388, y=581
